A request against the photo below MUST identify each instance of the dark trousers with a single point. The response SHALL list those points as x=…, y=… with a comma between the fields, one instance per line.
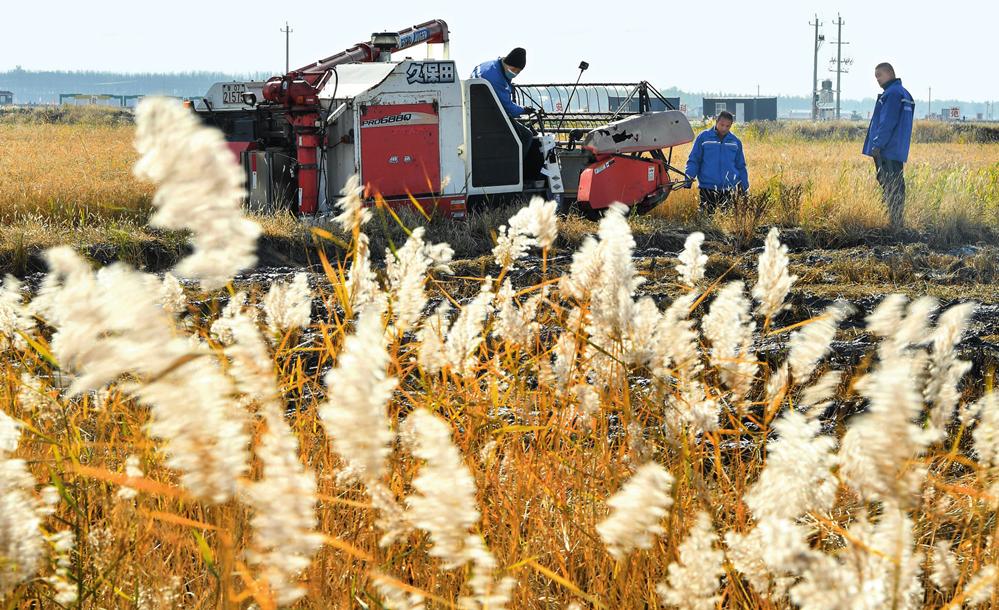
x=533, y=160
x=717, y=199
x=892, y=183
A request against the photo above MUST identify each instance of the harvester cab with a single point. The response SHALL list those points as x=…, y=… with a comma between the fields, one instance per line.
x=417, y=134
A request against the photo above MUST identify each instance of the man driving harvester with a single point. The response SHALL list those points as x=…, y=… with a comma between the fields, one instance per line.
x=500, y=73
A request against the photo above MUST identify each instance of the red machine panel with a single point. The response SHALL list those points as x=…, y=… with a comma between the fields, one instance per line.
x=400, y=149
x=628, y=180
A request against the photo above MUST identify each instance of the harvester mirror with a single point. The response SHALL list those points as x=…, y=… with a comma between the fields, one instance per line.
x=583, y=66
x=250, y=99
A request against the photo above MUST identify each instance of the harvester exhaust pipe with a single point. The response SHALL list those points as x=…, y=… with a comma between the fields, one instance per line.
x=582, y=68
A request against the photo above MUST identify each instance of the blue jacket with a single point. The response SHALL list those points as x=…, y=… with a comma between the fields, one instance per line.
x=891, y=123
x=716, y=163
x=493, y=72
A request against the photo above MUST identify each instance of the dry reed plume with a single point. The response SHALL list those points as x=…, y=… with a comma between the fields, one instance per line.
x=566, y=444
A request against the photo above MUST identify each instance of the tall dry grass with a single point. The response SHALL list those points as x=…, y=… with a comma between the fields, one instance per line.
x=829, y=186
x=562, y=444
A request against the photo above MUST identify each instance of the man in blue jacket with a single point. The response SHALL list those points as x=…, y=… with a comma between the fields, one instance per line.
x=888, y=139
x=500, y=73
x=719, y=164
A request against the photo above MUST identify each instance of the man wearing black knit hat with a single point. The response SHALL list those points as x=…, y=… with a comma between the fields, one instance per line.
x=500, y=72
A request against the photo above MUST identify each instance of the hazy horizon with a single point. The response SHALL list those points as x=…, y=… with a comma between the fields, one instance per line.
x=731, y=47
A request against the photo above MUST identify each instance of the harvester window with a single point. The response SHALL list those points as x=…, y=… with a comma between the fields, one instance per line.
x=496, y=157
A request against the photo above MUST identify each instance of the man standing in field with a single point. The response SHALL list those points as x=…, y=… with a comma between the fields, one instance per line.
x=718, y=163
x=888, y=139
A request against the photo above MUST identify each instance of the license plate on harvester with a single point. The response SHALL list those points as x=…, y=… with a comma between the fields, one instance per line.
x=233, y=93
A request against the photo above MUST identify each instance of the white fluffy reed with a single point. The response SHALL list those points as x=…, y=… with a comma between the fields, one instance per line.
x=432, y=356
x=532, y=225
x=815, y=398
x=603, y=273
x=637, y=511
x=798, y=475
x=10, y=434
x=172, y=296
x=565, y=354
x=517, y=324
x=729, y=328
x=692, y=582
x=692, y=261
x=980, y=587
x=946, y=571
x=351, y=203
x=21, y=543
x=362, y=283
x=283, y=501
x=133, y=470
x=359, y=391
x=693, y=409
x=395, y=597
x=288, y=305
x=406, y=270
x=14, y=316
x=110, y=325
x=284, y=521
x=809, y=345
x=65, y=588
x=199, y=188
x=986, y=433
x=773, y=281
x=465, y=334
x=677, y=341
x=221, y=328
x=878, y=448
x=443, y=499
x=945, y=370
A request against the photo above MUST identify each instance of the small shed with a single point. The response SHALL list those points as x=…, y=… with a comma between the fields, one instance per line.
x=6, y=97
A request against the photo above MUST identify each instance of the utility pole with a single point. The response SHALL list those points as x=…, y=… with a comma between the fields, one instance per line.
x=815, y=68
x=839, y=61
x=287, y=32
x=929, y=103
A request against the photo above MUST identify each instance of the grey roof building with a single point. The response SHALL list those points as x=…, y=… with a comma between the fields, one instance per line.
x=745, y=109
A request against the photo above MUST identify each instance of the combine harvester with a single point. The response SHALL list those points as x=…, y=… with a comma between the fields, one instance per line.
x=416, y=133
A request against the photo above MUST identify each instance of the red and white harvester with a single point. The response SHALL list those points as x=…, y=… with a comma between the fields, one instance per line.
x=415, y=132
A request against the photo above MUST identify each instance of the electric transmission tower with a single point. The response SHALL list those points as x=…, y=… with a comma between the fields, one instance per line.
x=840, y=65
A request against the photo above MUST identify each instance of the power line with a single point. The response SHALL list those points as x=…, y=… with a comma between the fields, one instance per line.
x=287, y=34
x=840, y=61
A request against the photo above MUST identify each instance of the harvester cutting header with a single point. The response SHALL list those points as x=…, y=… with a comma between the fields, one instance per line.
x=414, y=131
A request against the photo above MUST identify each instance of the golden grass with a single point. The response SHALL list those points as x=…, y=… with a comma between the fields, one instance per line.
x=949, y=185
x=83, y=173
x=74, y=172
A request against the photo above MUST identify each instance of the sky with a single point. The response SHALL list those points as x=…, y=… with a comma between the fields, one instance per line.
x=716, y=46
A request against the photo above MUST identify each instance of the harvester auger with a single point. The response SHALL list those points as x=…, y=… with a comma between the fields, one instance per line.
x=417, y=134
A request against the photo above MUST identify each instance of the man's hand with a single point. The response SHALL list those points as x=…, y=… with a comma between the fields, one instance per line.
x=530, y=110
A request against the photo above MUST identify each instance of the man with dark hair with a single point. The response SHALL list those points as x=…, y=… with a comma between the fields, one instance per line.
x=888, y=139
x=718, y=163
